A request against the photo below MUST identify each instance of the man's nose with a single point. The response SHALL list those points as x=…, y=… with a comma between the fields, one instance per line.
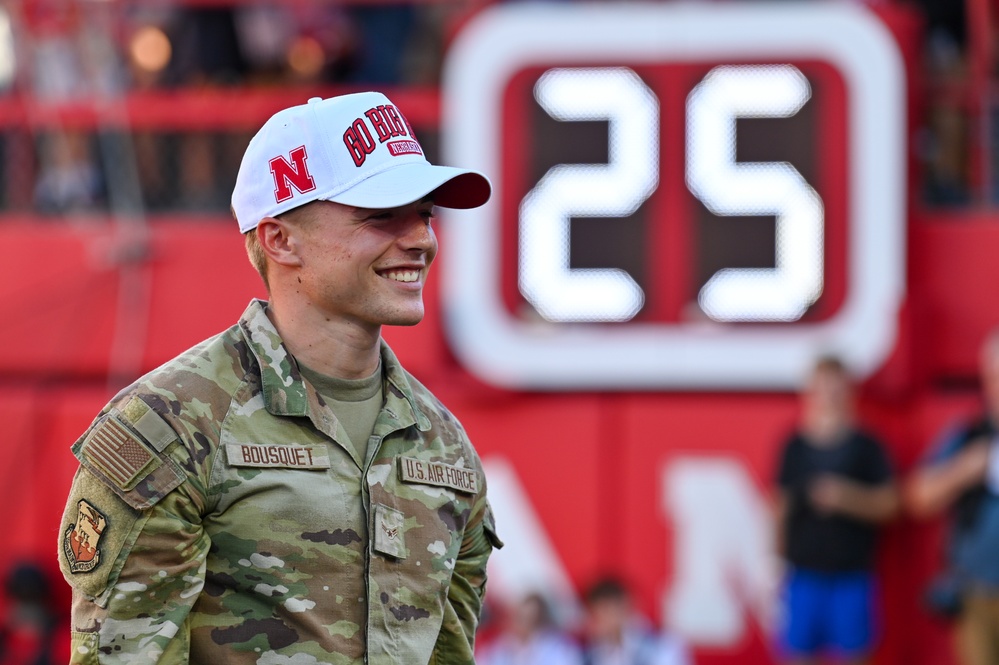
x=420, y=235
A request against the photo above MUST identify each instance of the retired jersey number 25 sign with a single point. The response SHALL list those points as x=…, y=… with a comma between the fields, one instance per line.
x=686, y=196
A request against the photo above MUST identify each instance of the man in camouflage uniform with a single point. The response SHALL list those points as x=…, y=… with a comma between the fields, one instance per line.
x=286, y=492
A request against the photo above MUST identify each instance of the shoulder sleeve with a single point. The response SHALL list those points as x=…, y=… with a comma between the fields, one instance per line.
x=125, y=449
x=131, y=543
x=467, y=590
x=145, y=571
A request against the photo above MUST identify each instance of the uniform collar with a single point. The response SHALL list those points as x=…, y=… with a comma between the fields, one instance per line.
x=286, y=393
x=400, y=400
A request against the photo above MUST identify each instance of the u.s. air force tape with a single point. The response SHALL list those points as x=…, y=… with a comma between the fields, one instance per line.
x=263, y=455
x=412, y=470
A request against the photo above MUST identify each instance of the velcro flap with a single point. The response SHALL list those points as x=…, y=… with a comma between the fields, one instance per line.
x=149, y=424
x=84, y=648
x=122, y=458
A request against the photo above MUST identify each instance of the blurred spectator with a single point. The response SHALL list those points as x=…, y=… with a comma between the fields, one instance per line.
x=531, y=637
x=32, y=632
x=57, y=68
x=61, y=59
x=943, y=147
x=208, y=54
x=200, y=186
x=834, y=487
x=962, y=474
x=69, y=180
x=946, y=34
x=300, y=43
x=617, y=635
x=206, y=48
x=943, y=142
x=385, y=31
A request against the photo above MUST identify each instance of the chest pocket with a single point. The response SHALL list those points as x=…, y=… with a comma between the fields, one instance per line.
x=283, y=481
x=422, y=507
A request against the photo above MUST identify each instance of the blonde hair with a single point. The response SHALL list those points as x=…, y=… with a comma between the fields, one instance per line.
x=256, y=254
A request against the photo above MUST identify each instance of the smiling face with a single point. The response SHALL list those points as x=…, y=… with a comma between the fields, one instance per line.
x=828, y=393
x=827, y=401
x=607, y=619
x=366, y=267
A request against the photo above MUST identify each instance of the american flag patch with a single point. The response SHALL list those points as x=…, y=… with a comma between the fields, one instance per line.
x=116, y=452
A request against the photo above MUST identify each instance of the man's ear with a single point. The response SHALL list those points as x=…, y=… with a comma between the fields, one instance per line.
x=280, y=241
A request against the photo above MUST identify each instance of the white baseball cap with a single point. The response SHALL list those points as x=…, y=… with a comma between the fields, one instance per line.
x=357, y=150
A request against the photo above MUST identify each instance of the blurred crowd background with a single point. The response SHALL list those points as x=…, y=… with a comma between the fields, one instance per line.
x=69, y=53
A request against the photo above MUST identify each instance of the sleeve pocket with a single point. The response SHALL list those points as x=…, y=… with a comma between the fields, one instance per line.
x=84, y=648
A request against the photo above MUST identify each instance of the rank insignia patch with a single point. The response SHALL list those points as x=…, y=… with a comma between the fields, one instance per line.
x=81, y=542
x=390, y=537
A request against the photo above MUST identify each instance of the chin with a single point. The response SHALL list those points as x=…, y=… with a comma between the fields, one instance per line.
x=403, y=323
x=404, y=319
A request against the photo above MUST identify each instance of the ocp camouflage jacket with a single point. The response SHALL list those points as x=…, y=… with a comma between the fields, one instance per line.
x=215, y=519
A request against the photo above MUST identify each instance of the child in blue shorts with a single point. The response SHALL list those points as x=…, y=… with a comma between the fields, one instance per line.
x=835, y=488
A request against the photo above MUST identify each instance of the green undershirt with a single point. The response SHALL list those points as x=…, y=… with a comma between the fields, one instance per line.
x=355, y=402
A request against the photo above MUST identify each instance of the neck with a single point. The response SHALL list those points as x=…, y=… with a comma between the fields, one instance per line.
x=328, y=345
x=826, y=428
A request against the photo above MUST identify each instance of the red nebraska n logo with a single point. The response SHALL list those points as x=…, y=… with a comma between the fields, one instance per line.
x=294, y=174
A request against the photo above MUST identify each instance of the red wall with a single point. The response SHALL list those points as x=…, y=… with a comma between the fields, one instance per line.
x=589, y=462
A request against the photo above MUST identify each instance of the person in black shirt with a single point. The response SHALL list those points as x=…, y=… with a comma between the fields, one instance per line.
x=835, y=487
x=960, y=478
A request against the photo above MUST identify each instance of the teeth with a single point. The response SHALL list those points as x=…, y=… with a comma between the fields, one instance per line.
x=404, y=275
